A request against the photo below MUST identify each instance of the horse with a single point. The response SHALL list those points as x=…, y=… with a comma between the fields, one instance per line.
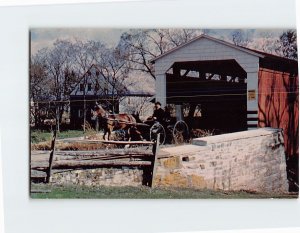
x=113, y=122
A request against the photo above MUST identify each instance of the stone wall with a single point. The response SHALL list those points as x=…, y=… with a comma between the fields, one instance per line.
x=248, y=160
x=100, y=176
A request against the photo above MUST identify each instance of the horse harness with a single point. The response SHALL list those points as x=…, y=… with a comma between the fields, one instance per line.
x=114, y=122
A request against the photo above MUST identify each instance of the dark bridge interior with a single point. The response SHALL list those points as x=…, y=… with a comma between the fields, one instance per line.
x=217, y=87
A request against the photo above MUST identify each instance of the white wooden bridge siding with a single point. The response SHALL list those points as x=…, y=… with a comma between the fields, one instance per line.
x=207, y=49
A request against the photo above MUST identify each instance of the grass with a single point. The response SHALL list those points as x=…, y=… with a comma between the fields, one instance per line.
x=41, y=140
x=142, y=192
x=38, y=136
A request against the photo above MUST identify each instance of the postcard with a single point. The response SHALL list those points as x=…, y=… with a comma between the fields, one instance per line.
x=163, y=113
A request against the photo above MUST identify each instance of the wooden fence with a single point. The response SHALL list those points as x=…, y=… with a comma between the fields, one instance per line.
x=132, y=154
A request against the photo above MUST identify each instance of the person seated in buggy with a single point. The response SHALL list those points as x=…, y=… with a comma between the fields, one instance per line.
x=159, y=113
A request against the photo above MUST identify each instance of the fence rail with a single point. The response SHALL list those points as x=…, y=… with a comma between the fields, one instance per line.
x=107, y=142
x=102, y=158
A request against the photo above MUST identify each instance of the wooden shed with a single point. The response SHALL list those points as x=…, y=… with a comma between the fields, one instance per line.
x=238, y=88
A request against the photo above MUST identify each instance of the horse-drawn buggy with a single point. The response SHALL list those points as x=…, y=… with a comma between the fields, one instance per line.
x=131, y=127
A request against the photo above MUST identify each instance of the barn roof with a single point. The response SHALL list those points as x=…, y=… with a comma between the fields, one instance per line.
x=266, y=60
x=274, y=62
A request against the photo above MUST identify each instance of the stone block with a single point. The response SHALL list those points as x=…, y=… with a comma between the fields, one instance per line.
x=174, y=179
x=172, y=163
x=197, y=181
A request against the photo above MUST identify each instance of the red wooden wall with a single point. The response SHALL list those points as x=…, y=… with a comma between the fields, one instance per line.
x=278, y=103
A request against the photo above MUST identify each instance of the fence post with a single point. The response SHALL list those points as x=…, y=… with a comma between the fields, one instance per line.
x=154, y=161
x=97, y=124
x=48, y=177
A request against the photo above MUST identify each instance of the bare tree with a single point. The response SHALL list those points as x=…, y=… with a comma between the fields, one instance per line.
x=84, y=59
x=176, y=37
x=240, y=38
x=138, y=105
x=38, y=86
x=287, y=45
x=59, y=63
x=113, y=68
x=266, y=42
x=55, y=72
x=140, y=46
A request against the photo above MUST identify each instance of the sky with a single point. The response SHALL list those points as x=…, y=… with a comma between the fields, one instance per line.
x=44, y=37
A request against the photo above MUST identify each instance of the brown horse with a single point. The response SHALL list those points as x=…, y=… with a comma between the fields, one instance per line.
x=112, y=122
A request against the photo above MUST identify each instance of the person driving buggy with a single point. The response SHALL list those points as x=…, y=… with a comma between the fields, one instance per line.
x=158, y=113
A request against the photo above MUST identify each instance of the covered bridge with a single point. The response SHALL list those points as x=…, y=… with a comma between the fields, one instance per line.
x=236, y=88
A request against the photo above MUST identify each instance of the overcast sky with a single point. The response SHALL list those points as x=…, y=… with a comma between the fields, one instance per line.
x=44, y=37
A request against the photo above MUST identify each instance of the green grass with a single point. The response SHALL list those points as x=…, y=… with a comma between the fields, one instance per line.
x=41, y=136
x=63, y=192
x=70, y=134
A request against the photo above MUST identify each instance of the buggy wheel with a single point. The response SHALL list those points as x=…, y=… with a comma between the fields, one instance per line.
x=180, y=132
x=156, y=129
